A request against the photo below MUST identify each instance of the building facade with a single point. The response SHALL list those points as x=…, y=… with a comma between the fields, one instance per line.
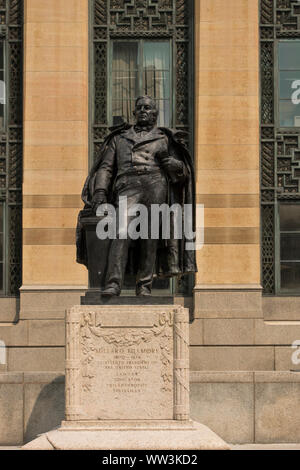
x=230, y=76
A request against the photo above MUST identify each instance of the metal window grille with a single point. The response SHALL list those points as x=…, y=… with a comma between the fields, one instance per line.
x=280, y=147
x=11, y=33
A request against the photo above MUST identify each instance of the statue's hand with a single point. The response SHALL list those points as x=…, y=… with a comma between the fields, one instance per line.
x=170, y=164
x=98, y=199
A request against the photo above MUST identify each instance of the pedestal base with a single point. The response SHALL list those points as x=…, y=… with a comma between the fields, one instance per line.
x=129, y=436
x=94, y=297
x=127, y=382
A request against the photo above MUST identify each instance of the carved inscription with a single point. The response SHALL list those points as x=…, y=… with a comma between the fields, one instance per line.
x=124, y=370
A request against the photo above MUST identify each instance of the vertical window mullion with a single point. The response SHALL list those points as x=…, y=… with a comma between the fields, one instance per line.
x=141, y=68
x=5, y=208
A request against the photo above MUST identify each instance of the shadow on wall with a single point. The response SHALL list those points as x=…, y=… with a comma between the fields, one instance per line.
x=45, y=407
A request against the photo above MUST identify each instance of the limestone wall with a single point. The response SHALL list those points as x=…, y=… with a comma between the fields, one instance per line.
x=241, y=407
x=234, y=330
x=55, y=138
x=227, y=140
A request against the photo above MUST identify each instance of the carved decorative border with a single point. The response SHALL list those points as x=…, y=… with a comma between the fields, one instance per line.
x=181, y=365
x=89, y=329
x=72, y=387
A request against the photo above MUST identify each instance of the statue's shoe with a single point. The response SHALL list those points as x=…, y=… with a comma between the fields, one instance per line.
x=110, y=292
x=143, y=293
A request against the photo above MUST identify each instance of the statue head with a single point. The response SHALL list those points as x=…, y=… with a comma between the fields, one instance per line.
x=146, y=112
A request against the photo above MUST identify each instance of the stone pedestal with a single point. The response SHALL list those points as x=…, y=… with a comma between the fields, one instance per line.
x=127, y=381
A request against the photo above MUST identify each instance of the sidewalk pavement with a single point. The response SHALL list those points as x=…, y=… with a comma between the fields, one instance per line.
x=233, y=447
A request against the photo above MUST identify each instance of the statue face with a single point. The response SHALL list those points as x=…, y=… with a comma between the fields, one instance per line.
x=145, y=112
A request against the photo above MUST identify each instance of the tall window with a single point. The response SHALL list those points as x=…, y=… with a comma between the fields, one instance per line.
x=141, y=68
x=11, y=119
x=141, y=47
x=288, y=213
x=280, y=145
x=289, y=220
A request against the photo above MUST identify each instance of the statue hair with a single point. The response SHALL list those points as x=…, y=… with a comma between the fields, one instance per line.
x=146, y=97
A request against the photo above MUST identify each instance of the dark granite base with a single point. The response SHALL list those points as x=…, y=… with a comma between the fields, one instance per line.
x=95, y=298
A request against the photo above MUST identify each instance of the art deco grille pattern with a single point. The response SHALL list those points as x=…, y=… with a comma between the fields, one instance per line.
x=140, y=19
x=280, y=149
x=11, y=32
